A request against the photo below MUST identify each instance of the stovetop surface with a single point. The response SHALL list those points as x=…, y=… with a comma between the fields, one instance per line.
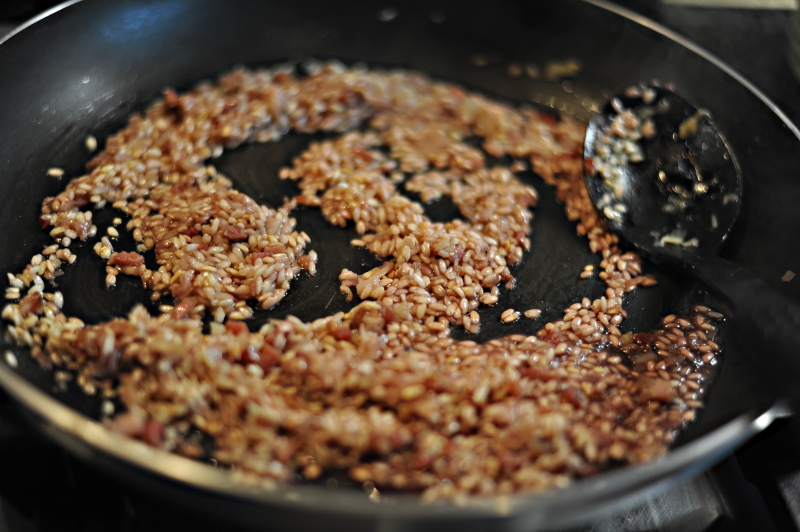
x=44, y=489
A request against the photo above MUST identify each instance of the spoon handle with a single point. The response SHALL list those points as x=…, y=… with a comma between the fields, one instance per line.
x=767, y=322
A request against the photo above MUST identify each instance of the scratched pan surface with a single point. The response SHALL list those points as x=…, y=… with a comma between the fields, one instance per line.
x=87, y=66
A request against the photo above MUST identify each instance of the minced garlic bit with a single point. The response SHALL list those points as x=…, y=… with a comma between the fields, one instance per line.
x=688, y=127
x=104, y=249
x=677, y=238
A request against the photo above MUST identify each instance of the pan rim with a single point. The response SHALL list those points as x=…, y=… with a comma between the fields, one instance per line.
x=38, y=18
x=702, y=52
x=62, y=423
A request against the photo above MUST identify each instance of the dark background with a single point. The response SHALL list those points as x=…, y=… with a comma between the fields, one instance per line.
x=758, y=489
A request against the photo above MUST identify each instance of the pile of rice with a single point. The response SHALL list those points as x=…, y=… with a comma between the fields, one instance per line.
x=381, y=392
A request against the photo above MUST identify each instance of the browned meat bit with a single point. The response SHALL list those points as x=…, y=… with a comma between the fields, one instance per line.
x=369, y=316
x=236, y=327
x=173, y=104
x=183, y=286
x=268, y=251
x=655, y=390
x=235, y=233
x=182, y=309
x=153, y=432
x=268, y=357
x=229, y=106
x=126, y=258
x=305, y=262
x=31, y=304
x=342, y=333
x=128, y=424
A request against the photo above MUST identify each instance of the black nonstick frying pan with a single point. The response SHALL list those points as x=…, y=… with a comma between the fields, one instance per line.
x=86, y=66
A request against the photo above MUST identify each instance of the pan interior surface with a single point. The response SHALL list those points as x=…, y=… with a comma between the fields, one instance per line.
x=97, y=62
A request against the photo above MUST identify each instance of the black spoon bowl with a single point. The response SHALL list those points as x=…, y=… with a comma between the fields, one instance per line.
x=686, y=187
x=666, y=182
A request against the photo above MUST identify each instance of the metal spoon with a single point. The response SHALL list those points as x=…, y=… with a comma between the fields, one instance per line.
x=667, y=183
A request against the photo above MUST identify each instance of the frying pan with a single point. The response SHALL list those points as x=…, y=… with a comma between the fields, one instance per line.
x=84, y=67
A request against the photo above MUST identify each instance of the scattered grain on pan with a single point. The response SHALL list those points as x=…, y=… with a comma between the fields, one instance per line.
x=375, y=495
x=533, y=313
x=556, y=70
x=788, y=276
x=519, y=166
x=382, y=391
x=90, y=143
x=509, y=315
x=55, y=172
x=11, y=359
x=107, y=408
